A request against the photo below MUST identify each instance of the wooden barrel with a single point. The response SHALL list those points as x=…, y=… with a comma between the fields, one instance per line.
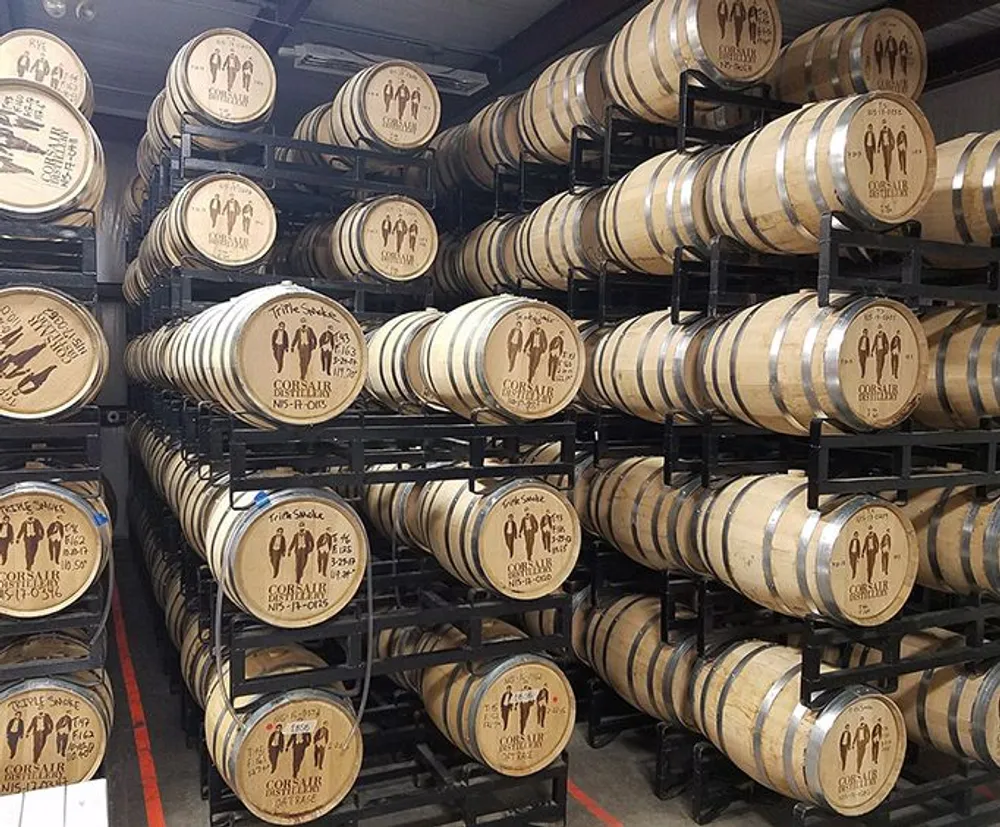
x=624, y=647
x=958, y=533
x=391, y=106
x=650, y=520
x=871, y=157
x=54, y=542
x=256, y=357
x=492, y=139
x=963, y=382
x=387, y=239
x=394, y=362
x=520, y=359
x=657, y=209
x=220, y=221
x=589, y=397
x=845, y=756
x=951, y=709
x=446, y=272
x=878, y=51
x=296, y=755
x=33, y=54
x=488, y=259
x=583, y=477
x=568, y=93
x=545, y=623
x=449, y=169
x=854, y=560
x=513, y=714
x=963, y=205
x=519, y=538
x=57, y=728
x=730, y=43
x=198, y=663
x=53, y=163
x=649, y=367
x=860, y=363
x=133, y=197
x=560, y=237
x=221, y=78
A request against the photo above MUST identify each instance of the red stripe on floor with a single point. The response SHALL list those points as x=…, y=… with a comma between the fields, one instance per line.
x=143, y=748
x=591, y=806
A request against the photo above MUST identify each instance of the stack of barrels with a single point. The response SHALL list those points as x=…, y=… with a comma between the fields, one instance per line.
x=306, y=742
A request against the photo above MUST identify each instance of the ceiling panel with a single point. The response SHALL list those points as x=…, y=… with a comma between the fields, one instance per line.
x=967, y=28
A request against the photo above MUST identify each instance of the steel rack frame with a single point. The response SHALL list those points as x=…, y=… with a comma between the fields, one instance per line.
x=64, y=258
x=73, y=446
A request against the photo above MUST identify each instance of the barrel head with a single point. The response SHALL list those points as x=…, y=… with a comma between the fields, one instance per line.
x=33, y=54
x=740, y=40
x=401, y=104
x=893, y=54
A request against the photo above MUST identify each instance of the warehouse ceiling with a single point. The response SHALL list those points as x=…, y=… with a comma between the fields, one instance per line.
x=129, y=43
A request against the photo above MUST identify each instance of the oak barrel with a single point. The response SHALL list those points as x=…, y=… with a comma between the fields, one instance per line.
x=53, y=163
x=871, y=157
x=446, y=273
x=256, y=357
x=624, y=646
x=520, y=359
x=297, y=754
x=854, y=560
x=733, y=43
x=40, y=56
x=545, y=623
x=387, y=239
x=649, y=367
x=449, y=169
x=657, y=209
x=878, y=51
x=492, y=140
x=583, y=476
x=560, y=237
x=958, y=533
x=53, y=354
x=488, y=257
x=56, y=728
x=513, y=714
x=650, y=520
x=963, y=382
x=949, y=708
x=861, y=363
x=589, y=397
x=962, y=208
x=845, y=756
x=568, y=93
x=394, y=377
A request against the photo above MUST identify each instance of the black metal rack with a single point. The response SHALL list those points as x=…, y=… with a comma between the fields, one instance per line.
x=64, y=258
x=68, y=450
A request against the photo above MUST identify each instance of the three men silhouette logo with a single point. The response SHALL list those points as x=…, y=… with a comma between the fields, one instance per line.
x=893, y=146
x=41, y=70
x=232, y=210
x=863, y=555
x=31, y=533
x=523, y=702
x=297, y=743
x=301, y=547
x=38, y=729
x=231, y=68
x=891, y=53
x=304, y=342
x=741, y=15
x=406, y=100
x=858, y=743
x=535, y=347
x=880, y=347
x=404, y=233
x=11, y=142
x=525, y=530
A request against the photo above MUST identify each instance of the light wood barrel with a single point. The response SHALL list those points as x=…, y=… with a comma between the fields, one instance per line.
x=963, y=382
x=387, y=239
x=733, y=43
x=519, y=359
x=197, y=663
x=223, y=78
x=878, y=51
x=53, y=354
x=514, y=714
x=559, y=237
x=963, y=205
x=871, y=157
x=54, y=542
x=281, y=354
x=583, y=477
x=656, y=209
x=297, y=754
x=492, y=139
x=568, y=93
x=53, y=164
x=649, y=367
x=649, y=520
x=220, y=221
x=544, y=623
x=845, y=756
x=854, y=560
x=488, y=257
x=57, y=729
x=33, y=54
x=394, y=361
x=449, y=170
x=133, y=198
x=950, y=709
x=519, y=538
x=860, y=363
x=446, y=274
x=958, y=534
x=392, y=509
x=624, y=647
x=592, y=334
x=392, y=106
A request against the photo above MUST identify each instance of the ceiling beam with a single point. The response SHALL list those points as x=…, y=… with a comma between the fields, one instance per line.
x=963, y=60
x=930, y=14
x=275, y=23
x=11, y=15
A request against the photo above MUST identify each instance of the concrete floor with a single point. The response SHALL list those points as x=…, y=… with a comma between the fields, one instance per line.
x=614, y=782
